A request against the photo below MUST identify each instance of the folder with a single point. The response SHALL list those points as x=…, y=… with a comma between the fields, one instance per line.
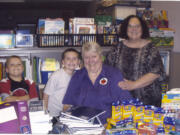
x=14, y=118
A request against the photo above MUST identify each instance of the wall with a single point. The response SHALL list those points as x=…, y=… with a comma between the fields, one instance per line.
x=26, y=13
x=173, y=8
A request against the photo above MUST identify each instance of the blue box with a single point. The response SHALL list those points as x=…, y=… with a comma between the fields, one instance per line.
x=24, y=40
x=45, y=76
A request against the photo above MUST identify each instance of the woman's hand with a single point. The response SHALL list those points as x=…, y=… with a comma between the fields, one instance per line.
x=66, y=107
x=143, y=81
x=127, y=85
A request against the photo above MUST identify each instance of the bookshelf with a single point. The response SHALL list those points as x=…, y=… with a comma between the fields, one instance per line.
x=49, y=45
x=43, y=52
x=55, y=50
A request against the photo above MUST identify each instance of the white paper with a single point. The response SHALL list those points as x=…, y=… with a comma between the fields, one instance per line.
x=40, y=122
x=7, y=114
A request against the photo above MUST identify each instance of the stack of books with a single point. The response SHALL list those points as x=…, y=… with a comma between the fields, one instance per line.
x=82, y=120
x=82, y=26
x=51, y=26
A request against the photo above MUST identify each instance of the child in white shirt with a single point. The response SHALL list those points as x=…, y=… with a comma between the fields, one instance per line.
x=58, y=82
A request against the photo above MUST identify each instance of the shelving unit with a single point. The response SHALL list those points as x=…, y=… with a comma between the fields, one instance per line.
x=62, y=40
x=51, y=50
x=41, y=52
x=53, y=45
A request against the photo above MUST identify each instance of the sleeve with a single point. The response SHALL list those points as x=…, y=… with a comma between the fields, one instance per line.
x=117, y=92
x=155, y=64
x=32, y=90
x=50, y=86
x=73, y=90
x=110, y=57
x=4, y=87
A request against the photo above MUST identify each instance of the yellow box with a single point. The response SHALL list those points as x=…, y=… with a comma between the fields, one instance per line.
x=117, y=112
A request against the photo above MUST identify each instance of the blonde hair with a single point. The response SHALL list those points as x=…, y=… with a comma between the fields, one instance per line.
x=91, y=46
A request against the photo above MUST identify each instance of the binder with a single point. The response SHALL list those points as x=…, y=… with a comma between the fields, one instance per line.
x=14, y=118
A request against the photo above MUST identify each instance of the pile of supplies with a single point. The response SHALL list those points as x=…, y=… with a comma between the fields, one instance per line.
x=132, y=117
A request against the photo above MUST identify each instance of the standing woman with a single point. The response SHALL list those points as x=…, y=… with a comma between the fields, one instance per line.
x=139, y=61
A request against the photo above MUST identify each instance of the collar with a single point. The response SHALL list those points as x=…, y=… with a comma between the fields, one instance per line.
x=14, y=80
x=102, y=73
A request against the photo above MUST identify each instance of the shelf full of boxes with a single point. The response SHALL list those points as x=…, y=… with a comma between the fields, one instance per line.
x=47, y=45
x=51, y=36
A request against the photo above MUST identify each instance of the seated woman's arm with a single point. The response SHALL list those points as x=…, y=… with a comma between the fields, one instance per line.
x=144, y=81
x=70, y=98
x=119, y=93
x=66, y=107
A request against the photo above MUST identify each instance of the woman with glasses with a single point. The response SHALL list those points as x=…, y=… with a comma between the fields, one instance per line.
x=139, y=61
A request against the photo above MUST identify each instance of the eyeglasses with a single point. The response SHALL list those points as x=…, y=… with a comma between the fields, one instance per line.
x=134, y=26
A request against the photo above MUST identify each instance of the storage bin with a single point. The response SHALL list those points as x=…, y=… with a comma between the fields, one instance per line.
x=45, y=76
x=61, y=40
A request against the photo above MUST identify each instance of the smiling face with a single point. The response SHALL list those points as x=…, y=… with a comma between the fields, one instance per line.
x=71, y=61
x=134, y=30
x=92, y=61
x=15, y=68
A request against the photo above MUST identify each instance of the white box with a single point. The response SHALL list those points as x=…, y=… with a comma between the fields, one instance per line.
x=121, y=12
x=24, y=40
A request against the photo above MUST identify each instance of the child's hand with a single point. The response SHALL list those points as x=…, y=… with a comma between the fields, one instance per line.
x=4, y=96
x=46, y=111
x=16, y=98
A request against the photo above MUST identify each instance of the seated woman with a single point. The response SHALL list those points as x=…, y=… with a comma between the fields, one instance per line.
x=95, y=85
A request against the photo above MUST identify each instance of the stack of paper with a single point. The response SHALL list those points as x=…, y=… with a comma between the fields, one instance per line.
x=82, y=125
x=40, y=122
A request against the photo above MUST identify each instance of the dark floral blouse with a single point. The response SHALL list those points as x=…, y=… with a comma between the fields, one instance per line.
x=136, y=62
